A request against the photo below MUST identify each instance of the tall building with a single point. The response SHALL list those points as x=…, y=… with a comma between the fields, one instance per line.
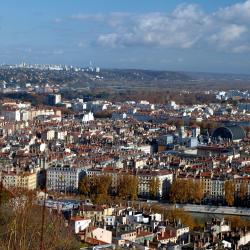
x=64, y=178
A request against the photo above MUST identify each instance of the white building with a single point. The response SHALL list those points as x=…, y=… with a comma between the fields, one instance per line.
x=11, y=114
x=79, y=224
x=164, y=177
x=64, y=178
x=88, y=117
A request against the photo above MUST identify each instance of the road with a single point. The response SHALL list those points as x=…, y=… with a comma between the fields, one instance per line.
x=208, y=209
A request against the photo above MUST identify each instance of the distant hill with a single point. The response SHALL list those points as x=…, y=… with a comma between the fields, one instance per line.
x=123, y=79
x=144, y=75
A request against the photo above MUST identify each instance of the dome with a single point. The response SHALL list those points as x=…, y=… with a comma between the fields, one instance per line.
x=230, y=132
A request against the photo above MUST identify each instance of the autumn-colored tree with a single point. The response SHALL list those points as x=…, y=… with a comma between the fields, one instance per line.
x=128, y=187
x=20, y=226
x=134, y=187
x=229, y=188
x=180, y=215
x=103, y=184
x=85, y=186
x=96, y=187
x=154, y=186
x=174, y=191
x=172, y=215
x=122, y=189
x=100, y=186
x=197, y=192
x=243, y=191
x=237, y=222
x=180, y=191
x=186, y=190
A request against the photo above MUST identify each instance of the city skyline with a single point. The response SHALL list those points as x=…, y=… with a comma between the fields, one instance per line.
x=191, y=36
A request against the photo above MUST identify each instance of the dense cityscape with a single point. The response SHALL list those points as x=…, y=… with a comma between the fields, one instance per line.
x=125, y=125
x=129, y=174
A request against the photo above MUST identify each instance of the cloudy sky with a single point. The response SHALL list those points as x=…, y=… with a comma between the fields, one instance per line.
x=207, y=36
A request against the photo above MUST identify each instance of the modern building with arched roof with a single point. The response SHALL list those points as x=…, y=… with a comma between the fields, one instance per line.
x=229, y=133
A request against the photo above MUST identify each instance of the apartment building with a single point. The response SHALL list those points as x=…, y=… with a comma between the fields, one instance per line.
x=64, y=178
x=19, y=180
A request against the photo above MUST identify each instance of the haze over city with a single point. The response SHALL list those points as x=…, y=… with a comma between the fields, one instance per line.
x=205, y=36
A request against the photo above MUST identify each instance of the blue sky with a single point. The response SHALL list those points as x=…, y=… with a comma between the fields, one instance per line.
x=209, y=36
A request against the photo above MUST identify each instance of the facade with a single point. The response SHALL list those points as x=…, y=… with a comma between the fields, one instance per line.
x=79, y=223
x=163, y=177
x=94, y=212
x=11, y=114
x=88, y=117
x=19, y=180
x=64, y=178
x=100, y=234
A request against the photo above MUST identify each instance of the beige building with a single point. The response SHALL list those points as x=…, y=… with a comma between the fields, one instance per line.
x=164, y=178
x=96, y=212
x=100, y=234
x=23, y=180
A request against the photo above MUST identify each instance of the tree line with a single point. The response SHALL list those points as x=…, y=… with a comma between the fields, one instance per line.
x=186, y=191
x=99, y=188
x=192, y=191
x=233, y=196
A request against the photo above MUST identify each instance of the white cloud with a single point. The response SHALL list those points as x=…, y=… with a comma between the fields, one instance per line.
x=236, y=12
x=108, y=39
x=241, y=49
x=180, y=29
x=187, y=26
x=229, y=34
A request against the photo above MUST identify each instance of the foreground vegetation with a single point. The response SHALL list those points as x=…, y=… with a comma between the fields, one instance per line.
x=21, y=225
